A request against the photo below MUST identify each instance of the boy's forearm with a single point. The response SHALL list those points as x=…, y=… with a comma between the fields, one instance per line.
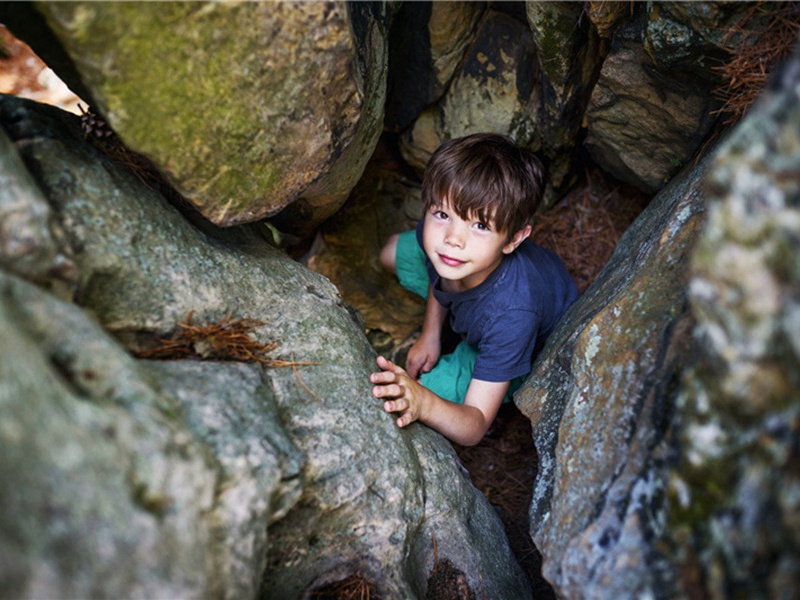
x=462, y=424
x=466, y=423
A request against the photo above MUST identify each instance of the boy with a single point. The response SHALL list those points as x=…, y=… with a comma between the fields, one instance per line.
x=470, y=256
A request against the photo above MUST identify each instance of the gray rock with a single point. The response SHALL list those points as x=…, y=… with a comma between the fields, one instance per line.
x=495, y=90
x=599, y=399
x=695, y=36
x=256, y=104
x=734, y=496
x=105, y=493
x=644, y=123
x=372, y=496
x=665, y=447
x=31, y=243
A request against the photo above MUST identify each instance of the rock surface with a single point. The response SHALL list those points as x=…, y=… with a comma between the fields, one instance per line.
x=494, y=90
x=644, y=123
x=665, y=408
x=282, y=479
x=427, y=43
x=734, y=497
x=569, y=60
x=256, y=104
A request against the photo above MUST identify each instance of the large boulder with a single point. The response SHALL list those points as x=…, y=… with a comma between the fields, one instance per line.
x=246, y=107
x=733, y=503
x=644, y=121
x=599, y=400
x=31, y=240
x=115, y=487
x=494, y=90
x=294, y=473
x=569, y=60
x=665, y=407
x=427, y=42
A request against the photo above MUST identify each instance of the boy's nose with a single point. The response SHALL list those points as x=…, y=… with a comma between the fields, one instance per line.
x=454, y=236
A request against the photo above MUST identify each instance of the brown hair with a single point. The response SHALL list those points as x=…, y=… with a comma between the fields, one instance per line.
x=486, y=175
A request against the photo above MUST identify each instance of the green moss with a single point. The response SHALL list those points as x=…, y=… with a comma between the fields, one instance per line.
x=200, y=102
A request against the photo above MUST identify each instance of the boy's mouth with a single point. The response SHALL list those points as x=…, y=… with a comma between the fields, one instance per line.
x=450, y=261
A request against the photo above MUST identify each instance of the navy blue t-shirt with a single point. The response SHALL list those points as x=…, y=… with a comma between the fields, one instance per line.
x=508, y=317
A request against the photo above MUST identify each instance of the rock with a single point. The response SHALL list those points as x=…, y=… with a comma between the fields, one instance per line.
x=112, y=487
x=732, y=511
x=693, y=36
x=427, y=43
x=644, y=123
x=368, y=497
x=245, y=106
x=599, y=399
x=383, y=203
x=665, y=407
x=494, y=91
x=569, y=60
x=31, y=242
x=606, y=16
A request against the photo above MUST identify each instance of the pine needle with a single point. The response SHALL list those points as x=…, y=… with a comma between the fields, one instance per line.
x=226, y=340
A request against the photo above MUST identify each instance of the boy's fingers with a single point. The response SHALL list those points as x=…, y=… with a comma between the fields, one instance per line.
x=398, y=405
x=388, y=365
x=391, y=390
x=406, y=418
x=382, y=377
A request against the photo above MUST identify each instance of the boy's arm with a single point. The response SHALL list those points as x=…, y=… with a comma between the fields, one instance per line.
x=424, y=353
x=464, y=424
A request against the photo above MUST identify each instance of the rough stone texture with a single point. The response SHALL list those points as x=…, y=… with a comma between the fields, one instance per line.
x=427, y=42
x=382, y=203
x=643, y=123
x=31, y=243
x=495, y=89
x=372, y=495
x=246, y=106
x=600, y=398
x=569, y=60
x=693, y=36
x=606, y=16
x=735, y=495
x=109, y=489
x=668, y=450
x=231, y=408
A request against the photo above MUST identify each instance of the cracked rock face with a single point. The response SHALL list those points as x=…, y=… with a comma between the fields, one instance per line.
x=125, y=477
x=665, y=408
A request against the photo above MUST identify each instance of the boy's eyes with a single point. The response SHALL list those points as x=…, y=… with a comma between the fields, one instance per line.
x=479, y=225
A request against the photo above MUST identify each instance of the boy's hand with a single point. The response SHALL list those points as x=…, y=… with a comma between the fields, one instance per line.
x=423, y=355
x=406, y=395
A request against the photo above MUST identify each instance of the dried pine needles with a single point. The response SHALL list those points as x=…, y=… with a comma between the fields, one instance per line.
x=760, y=50
x=584, y=227
x=354, y=587
x=226, y=340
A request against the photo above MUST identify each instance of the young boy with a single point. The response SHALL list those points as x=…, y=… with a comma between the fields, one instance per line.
x=470, y=257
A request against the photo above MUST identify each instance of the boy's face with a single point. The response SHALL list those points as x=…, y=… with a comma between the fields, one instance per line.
x=464, y=252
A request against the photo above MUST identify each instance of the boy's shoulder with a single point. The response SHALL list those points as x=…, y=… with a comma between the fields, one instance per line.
x=538, y=261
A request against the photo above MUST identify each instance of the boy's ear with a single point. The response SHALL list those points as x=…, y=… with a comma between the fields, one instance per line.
x=518, y=238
